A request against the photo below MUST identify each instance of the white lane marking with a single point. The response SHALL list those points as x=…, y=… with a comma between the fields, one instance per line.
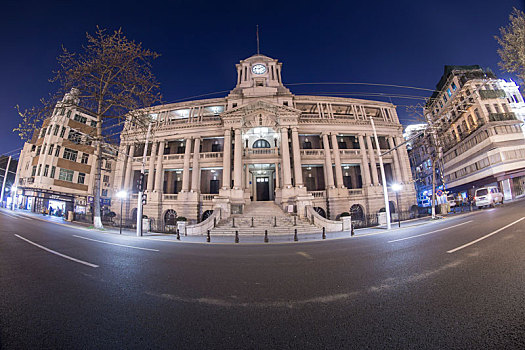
x=306, y=255
x=427, y=233
x=486, y=236
x=120, y=245
x=57, y=253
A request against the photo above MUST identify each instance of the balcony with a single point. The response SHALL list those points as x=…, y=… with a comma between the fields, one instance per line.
x=210, y=155
x=355, y=191
x=176, y=156
x=207, y=197
x=312, y=153
x=318, y=194
x=349, y=152
x=261, y=152
x=169, y=197
x=497, y=117
x=489, y=94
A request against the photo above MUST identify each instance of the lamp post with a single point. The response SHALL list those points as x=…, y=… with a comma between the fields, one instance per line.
x=396, y=188
x=121, y=194
x=383, y=177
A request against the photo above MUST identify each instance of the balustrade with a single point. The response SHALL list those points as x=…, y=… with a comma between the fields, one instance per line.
x=318, y=194
x=355, y=191
x=312, y=152
x=261, y=151
x=169, y=197
x=207, y=197
x=210, y=155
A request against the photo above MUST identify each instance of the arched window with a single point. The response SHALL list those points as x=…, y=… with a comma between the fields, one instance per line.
x=206, y=214
x=261, y=143
x=320, y=211
x=357, y=212
x=170, y=217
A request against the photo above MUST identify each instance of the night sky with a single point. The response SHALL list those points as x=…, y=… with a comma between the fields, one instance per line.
x=386, y=42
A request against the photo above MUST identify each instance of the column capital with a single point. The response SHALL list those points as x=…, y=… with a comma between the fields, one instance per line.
x=294, y=129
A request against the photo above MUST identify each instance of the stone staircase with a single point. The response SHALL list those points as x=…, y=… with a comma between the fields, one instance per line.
x=266, y=216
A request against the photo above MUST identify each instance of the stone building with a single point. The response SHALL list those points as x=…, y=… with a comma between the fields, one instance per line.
x=478, y=119
x=56, y=167
x=263, y=143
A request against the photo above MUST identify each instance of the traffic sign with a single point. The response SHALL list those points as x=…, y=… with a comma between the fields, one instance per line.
x=439, y=193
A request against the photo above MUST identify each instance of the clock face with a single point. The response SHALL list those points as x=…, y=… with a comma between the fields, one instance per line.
x=259, y=69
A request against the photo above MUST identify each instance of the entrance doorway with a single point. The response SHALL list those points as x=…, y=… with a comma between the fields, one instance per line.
x=263, y=188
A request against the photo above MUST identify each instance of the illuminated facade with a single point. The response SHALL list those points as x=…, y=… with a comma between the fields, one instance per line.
x=263, y=143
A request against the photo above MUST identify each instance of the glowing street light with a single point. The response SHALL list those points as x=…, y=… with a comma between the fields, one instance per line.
x=121, y=194
x=396, y=188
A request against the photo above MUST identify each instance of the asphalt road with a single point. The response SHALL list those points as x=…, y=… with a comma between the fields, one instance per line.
x=65, y=288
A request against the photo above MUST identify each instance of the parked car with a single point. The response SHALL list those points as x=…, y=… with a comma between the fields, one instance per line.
x=451, y=200
x=487, y=196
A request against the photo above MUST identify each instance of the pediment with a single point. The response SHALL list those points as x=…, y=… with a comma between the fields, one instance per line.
x=263, y=113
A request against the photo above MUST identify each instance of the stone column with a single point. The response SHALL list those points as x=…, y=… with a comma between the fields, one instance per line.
x=364, y=162
x=247, y=178
x=404, y=162
x=186, y=169
x=151, y=170
x=120, y=167
x=372, y=157
x=296, y=158
x=195, y=183
x=226, y=159
x=159, y=175
x=129, y=171
x=277, y=181
x=285, y=154
x=237, y=160
x=397, y=170
x=329, y=180
x=337, y=160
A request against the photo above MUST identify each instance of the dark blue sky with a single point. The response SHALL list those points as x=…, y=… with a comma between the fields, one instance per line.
x=389, y=42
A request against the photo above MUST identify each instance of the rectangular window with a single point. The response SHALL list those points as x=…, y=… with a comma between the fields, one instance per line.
x=94, y=123
x=85, y=158
x=49, y=130
x=62, y=111
x=498, y=110
x=74, y=136
x=488, y=108
x=46, y=170
x=80, y=118
x=449, y=93
x=50, y=150
x=104, y=193
x=68, y=115
x=62, y=132
x=454, y=87
x=33, y=172
x=55, y=131
x=66, y=175
x=39, y=169
x=53, y=169
x=70, y=154
x=57, y=152
x=38, y=150
x=81, y=178
x=106, y=178
x=43, y=132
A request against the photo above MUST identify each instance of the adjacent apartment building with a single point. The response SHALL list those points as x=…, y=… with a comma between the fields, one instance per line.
x=56, y=167
x=263, y=143
x=479, y=126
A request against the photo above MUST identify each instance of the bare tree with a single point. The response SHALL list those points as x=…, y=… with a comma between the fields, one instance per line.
x=512, y=45
x=112, y=79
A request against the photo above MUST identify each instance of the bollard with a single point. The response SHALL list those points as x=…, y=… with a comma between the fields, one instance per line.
x=351, y=229
x=295, y=220
x=252, y=221
x=295, y=238
x=178, y=235
x=208, y=238
x=233, y=222
x=214, y=222
x=275, y=221
x=266, y=236
x=324, y=233
x=236, y=236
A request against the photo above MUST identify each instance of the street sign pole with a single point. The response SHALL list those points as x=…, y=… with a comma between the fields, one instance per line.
x=141, y=188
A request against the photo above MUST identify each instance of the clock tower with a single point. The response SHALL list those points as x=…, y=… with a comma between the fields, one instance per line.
x=258, y=76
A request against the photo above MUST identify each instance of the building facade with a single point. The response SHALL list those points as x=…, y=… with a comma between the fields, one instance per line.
x=479, y=125
x=263, y=143
x=56, y=167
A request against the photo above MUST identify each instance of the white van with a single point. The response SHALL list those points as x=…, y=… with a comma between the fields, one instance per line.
x=487, y=196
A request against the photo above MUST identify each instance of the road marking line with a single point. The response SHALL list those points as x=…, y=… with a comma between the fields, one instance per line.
x=11, y=215
x=424, y=234
x=306, y=255
x=57, y=253
x=486, y=236
x=117, y=244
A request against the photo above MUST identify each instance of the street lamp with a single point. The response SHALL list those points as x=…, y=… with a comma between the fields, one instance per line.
x=396, y=188
x=121, y=194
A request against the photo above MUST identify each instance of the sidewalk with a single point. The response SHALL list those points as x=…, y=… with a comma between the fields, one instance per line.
x=230, y=238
